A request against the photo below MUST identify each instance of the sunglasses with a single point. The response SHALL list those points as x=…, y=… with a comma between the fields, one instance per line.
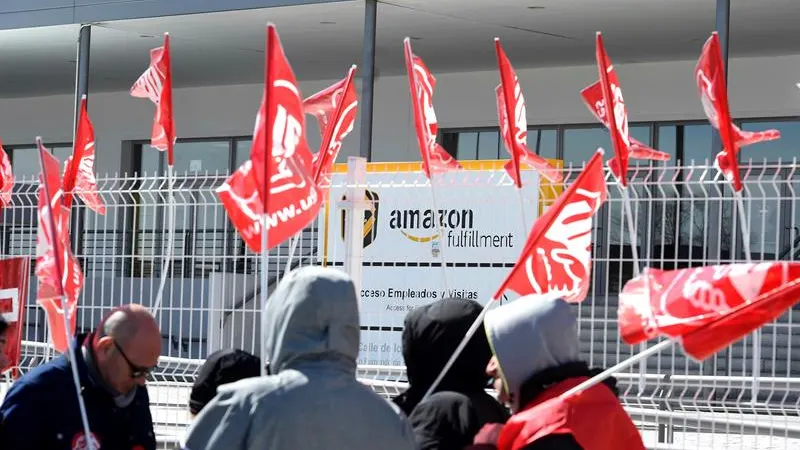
x=136, y=371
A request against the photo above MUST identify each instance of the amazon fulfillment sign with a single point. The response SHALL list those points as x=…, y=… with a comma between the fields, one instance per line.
x=476, y=221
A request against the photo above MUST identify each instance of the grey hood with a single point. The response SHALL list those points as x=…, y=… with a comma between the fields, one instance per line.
x=530, y=335
x=313, y=316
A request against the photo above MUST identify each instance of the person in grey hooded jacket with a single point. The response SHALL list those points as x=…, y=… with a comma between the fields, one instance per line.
x=312, y=400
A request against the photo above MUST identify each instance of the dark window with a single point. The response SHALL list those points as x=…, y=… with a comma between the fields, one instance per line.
x=784, y=148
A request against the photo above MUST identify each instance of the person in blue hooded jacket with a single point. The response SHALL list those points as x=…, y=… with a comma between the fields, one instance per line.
x=312, y=400
x=41, y=412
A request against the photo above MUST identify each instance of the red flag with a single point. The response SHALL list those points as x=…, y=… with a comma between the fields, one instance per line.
x=511, y=103
x=287, y=192
x=708, y=308
x=335, y=109
x=79, y=169
x=556, y=258
x=713, y=91
x=6, y=178
x=618, y=120
x=14, y=275
x=57, y=268
x=593, y=98
x=156, y=84
x=422, y=83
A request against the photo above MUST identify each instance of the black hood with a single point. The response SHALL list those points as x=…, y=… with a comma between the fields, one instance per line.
x=431, y=333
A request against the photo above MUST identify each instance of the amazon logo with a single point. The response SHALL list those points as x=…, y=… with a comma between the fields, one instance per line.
x=421, y=226
x=370, y=218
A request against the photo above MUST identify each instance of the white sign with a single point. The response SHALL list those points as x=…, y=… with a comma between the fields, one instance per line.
x=474, y=219
x=195, y=165
x=390, y=293
x=477, y=223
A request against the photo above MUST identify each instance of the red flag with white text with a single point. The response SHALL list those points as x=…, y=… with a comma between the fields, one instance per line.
x=6, y=178
x=557, y=257
x=156, y=84
x=54, y=257
x=335, y=108
x=713, y=91
x=593, y=98
x=14, y=277
x=422, y=84
x=281, y=184
x=511, y=103
x=707, y=308
x=618, y=119
x=79, y=169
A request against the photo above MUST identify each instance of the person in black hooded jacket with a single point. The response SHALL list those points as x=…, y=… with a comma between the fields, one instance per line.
x=430, y=336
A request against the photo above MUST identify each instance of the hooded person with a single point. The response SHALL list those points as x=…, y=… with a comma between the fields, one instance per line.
x=312, y=399
x=221, y=367
x=536, y=359
x=431, y=334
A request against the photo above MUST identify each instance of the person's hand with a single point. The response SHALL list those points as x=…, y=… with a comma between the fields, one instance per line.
x=489, y=434
x=4, y=361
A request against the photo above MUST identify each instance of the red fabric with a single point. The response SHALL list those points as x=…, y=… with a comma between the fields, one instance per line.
x=156, y=84
x=595, y=418
x=556, y=258
x=511, y=103
x=422, y=84
x=708, y=308
x=79, y=169
x=280, y=185
x=58, y=271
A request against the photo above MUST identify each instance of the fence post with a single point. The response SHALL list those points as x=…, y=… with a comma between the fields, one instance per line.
x=355, y=205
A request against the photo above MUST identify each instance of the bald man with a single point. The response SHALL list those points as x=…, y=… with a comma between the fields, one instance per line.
x=41, y=410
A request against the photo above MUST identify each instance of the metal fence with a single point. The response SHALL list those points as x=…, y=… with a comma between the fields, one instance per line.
x=683, y=219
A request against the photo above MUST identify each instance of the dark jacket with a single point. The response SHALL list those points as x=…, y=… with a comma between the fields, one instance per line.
x=431, y=333
x=40, y=411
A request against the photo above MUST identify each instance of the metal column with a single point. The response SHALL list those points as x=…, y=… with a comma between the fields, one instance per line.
x=368, y=77
x=81, y=89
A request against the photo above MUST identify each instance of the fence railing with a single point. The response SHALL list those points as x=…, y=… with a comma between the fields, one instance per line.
x=684, y=218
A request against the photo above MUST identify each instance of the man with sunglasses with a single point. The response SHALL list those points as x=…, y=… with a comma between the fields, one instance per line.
x=41, y=411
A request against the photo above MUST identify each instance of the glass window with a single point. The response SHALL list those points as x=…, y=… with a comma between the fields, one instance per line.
x=198, y=157
x=784, y=148
x=667, y=141
x=489, y=145
x=697, y=141
x=686, y=143
x=467, y=146
x=25, y=160
x=543, y=142
x=581, y=143
x=242, y=152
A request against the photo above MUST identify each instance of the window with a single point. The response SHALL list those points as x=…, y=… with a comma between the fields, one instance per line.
x=784, y=148
x=192, y=157
x=686, y=143
x=25, y=159
x=581, y=143
x=487, y=144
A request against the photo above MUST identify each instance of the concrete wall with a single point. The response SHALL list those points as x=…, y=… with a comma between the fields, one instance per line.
x=759, y=87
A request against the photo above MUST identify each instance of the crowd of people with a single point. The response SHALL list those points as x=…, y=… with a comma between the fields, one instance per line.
x=529, y=354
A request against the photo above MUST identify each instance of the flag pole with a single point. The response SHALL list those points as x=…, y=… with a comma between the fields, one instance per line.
x=170, y=194
x=265, y=192
x=663, y=345
x=63, y=297
x=170, y=240
x=737, y=195
x=626, y=201
x=292, y=248
x=439, y=220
